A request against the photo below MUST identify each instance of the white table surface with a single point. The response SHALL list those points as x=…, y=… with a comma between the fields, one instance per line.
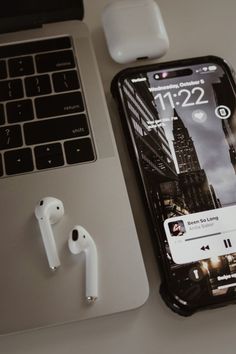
x=195, y=28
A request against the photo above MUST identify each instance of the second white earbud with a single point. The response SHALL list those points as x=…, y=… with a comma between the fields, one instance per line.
x=48, y=212
x=81, y=241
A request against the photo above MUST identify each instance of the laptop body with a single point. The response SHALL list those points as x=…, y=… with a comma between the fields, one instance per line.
x=90, y=185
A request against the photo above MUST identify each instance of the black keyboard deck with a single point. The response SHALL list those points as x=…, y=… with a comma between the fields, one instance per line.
x=43, y=120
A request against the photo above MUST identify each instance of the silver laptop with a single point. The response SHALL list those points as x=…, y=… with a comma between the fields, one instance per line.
x=56, y=140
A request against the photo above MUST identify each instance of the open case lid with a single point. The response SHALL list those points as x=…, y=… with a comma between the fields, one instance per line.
x=19, y=15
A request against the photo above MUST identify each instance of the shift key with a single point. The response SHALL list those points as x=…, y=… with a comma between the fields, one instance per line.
x=57, y=105
x=56, y=129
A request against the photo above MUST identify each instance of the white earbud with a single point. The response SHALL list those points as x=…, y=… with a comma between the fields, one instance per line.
x=48, y=212
x=81, y=241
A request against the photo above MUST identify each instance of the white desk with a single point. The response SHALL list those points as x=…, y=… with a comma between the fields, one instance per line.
x=195, y=28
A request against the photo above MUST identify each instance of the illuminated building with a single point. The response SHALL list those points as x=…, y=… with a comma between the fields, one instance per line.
x=198, y=194
x=155, y=151
x=155, y=154
x=185, y=151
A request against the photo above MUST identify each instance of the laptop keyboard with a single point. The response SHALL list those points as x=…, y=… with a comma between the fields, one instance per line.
x=43, y=120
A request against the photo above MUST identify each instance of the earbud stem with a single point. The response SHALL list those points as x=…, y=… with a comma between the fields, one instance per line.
x=49, y=244
x=91, y=274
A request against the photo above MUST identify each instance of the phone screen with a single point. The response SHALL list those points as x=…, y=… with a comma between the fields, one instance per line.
x=183, y=123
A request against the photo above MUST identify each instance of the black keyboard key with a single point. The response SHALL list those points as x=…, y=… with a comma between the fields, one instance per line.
x=1, y=168
x=27, y=48
x=3, y=70
x=18, y=161
x=80, y=150
x=58, y=105
x=19, y=111
x=11, y=90
x=2, y=117
x=10, y=137
x=48, y=156
x=21, y=66
x=38, y=85
x=55, y=61
x=55, y=129
x=65, y=81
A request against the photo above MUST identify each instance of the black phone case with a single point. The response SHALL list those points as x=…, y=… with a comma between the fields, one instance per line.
x=167, y=292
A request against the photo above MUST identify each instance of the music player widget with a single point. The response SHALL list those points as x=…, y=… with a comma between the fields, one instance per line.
x=206, y=234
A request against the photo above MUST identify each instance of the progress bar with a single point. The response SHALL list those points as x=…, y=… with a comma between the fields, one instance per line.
x=196, y=238
x=210, y=235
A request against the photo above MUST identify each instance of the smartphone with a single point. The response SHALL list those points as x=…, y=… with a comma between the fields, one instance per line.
x=180, y=122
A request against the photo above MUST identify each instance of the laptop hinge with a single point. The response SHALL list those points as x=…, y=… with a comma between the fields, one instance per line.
x=15, y=25
x=24, y=22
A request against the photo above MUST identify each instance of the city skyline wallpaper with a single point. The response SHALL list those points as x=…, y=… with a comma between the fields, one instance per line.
x=208, y=137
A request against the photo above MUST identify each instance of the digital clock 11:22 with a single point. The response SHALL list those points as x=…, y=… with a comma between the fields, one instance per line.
x=186, y=98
